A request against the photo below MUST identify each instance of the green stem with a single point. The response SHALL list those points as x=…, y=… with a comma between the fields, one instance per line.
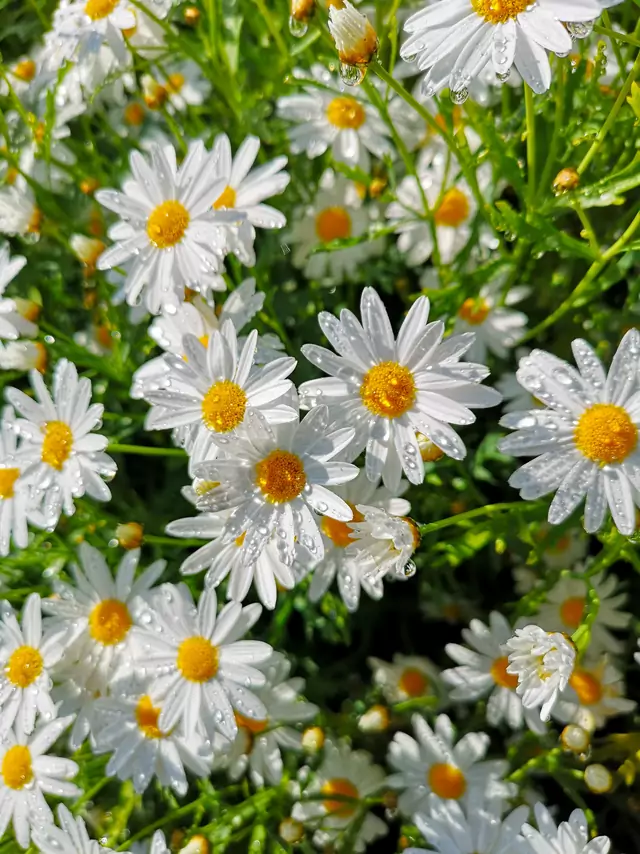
x=531, y=141
x=613, y=114
x=615, y=35
x=177, y=542
x=273, y=28
x=489, y=510
x=552, y=154
x=146, y=451
x=588, y=228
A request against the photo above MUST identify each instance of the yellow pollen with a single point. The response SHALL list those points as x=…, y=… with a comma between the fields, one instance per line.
x=345, y=788
x=474, y=311
x=500, y=676
x=197, y=659
x=16, y=767
x=155, y=96
x=239, y=541
x=8, y=478
x=453, y=210
x=388, y=389
x=499, y=11
x=253, y=726
x=109, y=622
x=167, y=224
x=147, y=718
x=226, y=199
x=586, y=686
x=97, y=9
x=413, y=682
x=345, y=112
x=57, y=444
x=571, y=611
x=333, y=223
x=605, y=434
x=175, y=82
x=25, y=70
x=281, y=476
x=223, y=406
x=134, y=114
x=340, y=532
x=24, y=666
x=447, y=781
x=35, y=223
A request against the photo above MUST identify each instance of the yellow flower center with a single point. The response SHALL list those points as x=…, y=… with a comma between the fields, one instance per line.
x=8, y=478
x=606, y=434
x=167, y=224
x=57, y=444
x=586, y=686
x=223, y=406
x=97, y=9
x=25, y=70
x=333, y=223
x=500, y=676
x=147, y=718
x=134, y=114
x=175, y=82
x=253, y=726
x=109, y=622
x=281, y=476
x=447, y=781
x=16, y=767
x=388, y=389
x=453, y=210
x=345, y=788
x=340, y=532
x=499, y=11
x=346, y=113
x=571, y=611
x=24, y=666
x=155, y=96
x=474, y=311
x=197, y=659
x=226, y=199
x=413, y=682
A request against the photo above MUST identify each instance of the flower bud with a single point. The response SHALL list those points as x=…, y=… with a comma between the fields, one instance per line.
x=313, y=739
x=567, y=179
x=196, y=845
x=291, y=831
x=375, y=719
x=302, y=10
x=192, y=16
x=575, y=738
x=598, y=779
x=130, y=535
x=354, y=36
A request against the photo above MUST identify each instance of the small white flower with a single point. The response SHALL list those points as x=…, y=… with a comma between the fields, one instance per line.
x=168, y=226
x=26, y=659
x=16, y=503
x=383, y=544
x=26, y=773
x=87, y=249
x=435, y=763
x=482, y=672
x=597, y=688
x=178, y=86
x=211, y=394
x=325, y=117
x=543, y=662
x=570, y=837
x=391, y=388
x=351, y=776
x=70, y=837
x=406, y=678
x=21, y=74
x=585, y=442
x=496, y=325
x=19, y=213
x=355, y=38
x=275, y=478
x=337, y=213
x=197, y=667
x=23, y=356
x=81, y=28
x=63, y=459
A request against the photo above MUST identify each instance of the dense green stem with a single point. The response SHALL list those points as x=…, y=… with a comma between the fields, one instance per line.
x=146, y=451
x=531, y=141
x=489, y=510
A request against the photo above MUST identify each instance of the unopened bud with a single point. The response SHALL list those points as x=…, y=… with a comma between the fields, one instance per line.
x=192, y=16
x=89, y=185
x=87, y=249
x=302, y=10
x=375, y=719
x=291, y=831
x=354, y=36
x=196, y=845
x=585, y=718
x=567, y=179
x=130, y=535
x=598, y=779
x=313, y=739
x=575, y=738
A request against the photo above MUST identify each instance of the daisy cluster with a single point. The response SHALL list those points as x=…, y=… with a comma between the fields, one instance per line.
x=276, y=319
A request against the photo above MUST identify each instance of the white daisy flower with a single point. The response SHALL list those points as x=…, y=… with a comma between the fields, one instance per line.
x=168, y=225
x=212, y=392
x=454, y=40
x=87, y=250
x=197, y=666
x=383, y=544
x=12, y=323
x=27, y=772
x=482, y=672
x=325, y=117
x=178, y=86
x=245, y=190
x=40, y=156
x=71, y=837
x=81, y=28
x=570, y=837
x=21, y=74
x=389, y=389
x=564, y=607
x=586, y=440
x=19, y=213
x=95, y=615
x=543, y=662
x=26, y=659
x=596, y=687
x=355, y=38
x=77, y=700
x=407, y=677
x=259, y=744
x=435, y=763
x=127, y=723
x=276, y=478
x=339, y=560
x=16, y=502
x=480, y=829
x=351, y=776
x=562, y=549
x=23, y=356
x=490, y=316
x=63, y=459
x=337, y=213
